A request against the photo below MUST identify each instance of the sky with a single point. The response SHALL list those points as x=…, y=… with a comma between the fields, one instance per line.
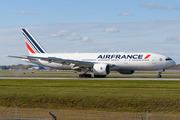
x=68, y=26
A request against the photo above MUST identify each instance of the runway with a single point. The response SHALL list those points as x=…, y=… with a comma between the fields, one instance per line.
x=76, y=78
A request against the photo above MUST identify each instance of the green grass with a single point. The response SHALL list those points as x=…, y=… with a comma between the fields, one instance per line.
x=108, y=95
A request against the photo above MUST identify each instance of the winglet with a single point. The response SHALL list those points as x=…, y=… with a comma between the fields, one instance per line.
x=32, y=44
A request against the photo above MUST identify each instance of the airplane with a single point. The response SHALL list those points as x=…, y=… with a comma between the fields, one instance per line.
x=99, y=63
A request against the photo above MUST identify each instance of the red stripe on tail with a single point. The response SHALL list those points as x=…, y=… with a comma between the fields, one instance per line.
x=147, y=56
x=29, y=48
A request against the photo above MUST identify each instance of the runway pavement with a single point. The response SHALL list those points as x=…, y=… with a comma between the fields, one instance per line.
x=76, y=78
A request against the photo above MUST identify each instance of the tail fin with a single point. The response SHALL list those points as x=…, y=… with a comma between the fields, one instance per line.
x=32, y=44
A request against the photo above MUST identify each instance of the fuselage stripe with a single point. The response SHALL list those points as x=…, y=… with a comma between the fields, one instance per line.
x=147, y=56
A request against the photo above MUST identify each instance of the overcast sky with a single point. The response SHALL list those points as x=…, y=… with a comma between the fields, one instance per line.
x=90, y=26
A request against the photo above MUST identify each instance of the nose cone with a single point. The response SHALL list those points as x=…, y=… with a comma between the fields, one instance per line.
x=171, y=63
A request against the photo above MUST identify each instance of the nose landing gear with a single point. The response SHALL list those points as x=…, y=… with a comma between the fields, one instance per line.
x=160, y=72
x=159, y=75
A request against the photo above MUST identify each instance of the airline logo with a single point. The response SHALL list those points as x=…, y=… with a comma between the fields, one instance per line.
x=32, y=45
x=135, y=56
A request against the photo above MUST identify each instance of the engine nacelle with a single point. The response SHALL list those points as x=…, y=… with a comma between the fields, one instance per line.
x=126, y=71
x=101, y=69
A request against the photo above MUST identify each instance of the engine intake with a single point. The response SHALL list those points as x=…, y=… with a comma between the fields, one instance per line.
x=101, y=69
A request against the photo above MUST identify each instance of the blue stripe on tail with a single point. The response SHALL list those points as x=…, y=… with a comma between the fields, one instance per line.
x=33, y=42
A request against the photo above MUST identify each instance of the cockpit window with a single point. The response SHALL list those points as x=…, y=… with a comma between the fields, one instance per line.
x=167, y=59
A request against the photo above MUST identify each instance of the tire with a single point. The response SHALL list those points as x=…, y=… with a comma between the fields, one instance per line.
x=159, y=76
x=88, y=75
x=99, y=76
x=85, y=75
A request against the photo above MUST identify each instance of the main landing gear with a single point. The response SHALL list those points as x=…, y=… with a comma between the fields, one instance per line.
x=160, y=72
x=85, y=75
x=99, y=76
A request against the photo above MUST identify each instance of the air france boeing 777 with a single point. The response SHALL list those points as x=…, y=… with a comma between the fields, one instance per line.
x=99, y=63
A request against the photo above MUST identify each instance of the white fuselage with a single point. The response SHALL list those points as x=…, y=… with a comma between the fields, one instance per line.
x=118, y=61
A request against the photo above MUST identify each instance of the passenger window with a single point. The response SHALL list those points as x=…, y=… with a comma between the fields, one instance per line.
x=160, y=59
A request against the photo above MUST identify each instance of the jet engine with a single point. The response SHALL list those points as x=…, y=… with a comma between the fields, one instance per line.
x=126, y=71
x=101, y=70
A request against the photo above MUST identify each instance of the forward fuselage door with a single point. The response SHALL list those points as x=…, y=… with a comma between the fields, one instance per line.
x=154, y=61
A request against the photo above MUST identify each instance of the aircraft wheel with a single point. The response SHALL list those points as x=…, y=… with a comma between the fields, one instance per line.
x=85, y=75
x=99, y=76
x=159, y=76
x=89, y=75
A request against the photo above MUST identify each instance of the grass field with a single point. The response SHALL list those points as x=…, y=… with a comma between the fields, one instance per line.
x=114, y=95
x=108, y=96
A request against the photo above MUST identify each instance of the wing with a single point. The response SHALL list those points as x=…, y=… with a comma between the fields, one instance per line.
x=77, y=64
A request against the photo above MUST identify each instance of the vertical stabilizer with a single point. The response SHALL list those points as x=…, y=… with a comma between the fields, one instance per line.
x=32, y=44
